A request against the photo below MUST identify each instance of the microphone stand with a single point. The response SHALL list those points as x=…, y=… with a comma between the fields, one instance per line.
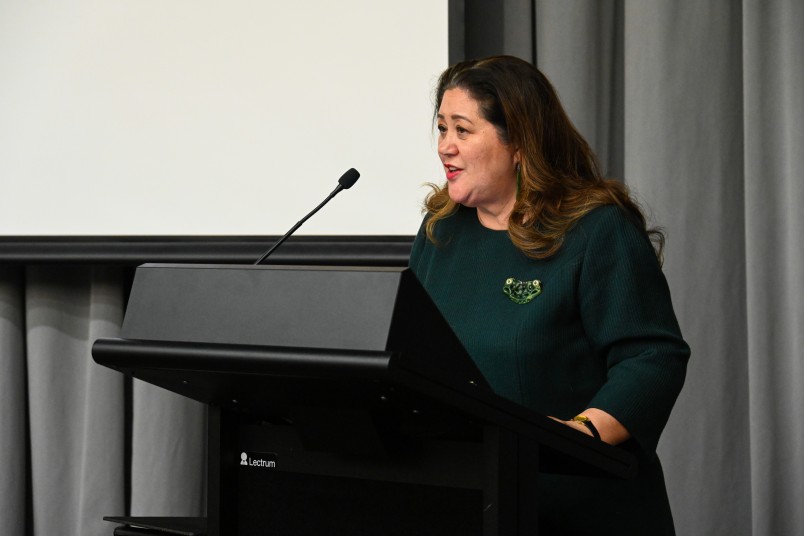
x=346, y=181
x=299, y=224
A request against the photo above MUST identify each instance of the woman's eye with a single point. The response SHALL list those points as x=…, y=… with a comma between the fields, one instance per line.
x=461, y=130
x=442, y=129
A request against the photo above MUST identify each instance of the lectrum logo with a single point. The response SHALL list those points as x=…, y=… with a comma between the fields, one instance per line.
x=262, y=460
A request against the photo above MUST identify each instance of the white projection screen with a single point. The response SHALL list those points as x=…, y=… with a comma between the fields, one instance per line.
x=204, y=117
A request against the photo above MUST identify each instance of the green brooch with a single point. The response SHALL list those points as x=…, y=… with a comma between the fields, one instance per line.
x=522, y=291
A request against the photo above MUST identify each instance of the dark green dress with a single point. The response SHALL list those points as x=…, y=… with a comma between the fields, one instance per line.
x=601, y=334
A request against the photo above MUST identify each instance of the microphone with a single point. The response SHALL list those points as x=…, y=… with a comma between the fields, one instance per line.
x=346, y=181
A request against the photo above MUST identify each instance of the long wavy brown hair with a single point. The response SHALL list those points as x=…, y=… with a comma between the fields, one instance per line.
x=559, y=180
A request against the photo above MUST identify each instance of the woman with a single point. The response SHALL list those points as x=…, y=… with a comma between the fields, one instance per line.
x=546, y=272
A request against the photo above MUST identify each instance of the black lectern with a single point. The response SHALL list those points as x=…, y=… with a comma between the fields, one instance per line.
x=341, y=403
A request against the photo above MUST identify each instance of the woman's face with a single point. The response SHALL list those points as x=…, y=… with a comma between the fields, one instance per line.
x=480, y=169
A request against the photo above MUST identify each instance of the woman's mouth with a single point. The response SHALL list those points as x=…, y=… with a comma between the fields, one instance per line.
x=452, y=172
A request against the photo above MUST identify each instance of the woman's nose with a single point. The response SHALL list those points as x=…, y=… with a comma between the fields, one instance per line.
x=446, y=146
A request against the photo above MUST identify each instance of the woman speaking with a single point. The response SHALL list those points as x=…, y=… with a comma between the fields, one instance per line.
x=548, y=275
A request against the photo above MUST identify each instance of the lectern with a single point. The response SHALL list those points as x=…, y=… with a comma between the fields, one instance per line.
x=340, y=403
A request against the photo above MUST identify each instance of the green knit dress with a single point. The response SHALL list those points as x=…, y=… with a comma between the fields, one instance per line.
x=602, y=334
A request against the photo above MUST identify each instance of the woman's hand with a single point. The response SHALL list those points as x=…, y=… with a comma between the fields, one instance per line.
x=609, y=428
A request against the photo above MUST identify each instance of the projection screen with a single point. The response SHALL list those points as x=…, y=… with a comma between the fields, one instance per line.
x=179, y=117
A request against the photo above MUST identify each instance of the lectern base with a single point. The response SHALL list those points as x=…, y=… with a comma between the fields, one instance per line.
x=159, y=526
x=289, y=504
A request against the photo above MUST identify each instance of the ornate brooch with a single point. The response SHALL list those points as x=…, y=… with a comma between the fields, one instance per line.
x=522, y=291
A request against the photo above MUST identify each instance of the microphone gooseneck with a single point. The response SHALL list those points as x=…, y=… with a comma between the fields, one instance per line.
x=346, y=181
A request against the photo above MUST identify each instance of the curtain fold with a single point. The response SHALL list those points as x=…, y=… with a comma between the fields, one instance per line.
x=13, y=405
x=773, y=87
x=168, y=465
x=579, y=48
x=75, y=406
x=683, y=155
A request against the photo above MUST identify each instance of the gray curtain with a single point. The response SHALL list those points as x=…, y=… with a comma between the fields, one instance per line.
x=63, y=420
x=699, y=107
x=696, y=104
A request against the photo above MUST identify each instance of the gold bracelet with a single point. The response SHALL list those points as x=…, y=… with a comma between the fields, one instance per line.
x=584, y=420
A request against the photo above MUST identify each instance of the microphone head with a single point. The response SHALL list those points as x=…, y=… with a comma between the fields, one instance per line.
x=349, y=178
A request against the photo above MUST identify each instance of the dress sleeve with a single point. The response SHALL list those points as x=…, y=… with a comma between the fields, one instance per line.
x=628, y=316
